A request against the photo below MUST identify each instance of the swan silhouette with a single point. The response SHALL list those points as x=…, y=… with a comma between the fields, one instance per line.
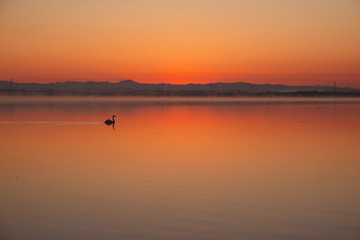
x=110, y=122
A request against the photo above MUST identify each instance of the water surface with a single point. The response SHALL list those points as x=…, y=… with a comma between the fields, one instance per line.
x=179, y=169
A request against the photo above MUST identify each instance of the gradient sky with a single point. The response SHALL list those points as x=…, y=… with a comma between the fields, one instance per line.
x=180, y=41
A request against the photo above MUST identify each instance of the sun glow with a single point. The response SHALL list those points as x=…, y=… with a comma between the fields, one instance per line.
x=297, y=42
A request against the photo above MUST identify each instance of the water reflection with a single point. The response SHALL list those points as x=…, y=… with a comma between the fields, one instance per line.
x=180, y=170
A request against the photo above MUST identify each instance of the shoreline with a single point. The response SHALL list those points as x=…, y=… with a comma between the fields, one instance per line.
x=175, y=99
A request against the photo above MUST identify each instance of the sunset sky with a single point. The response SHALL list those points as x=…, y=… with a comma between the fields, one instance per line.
x=298, y=42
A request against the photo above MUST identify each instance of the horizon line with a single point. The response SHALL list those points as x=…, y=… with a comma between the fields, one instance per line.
x=179, y=84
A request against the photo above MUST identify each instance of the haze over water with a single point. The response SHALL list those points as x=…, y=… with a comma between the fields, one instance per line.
x=179, y=169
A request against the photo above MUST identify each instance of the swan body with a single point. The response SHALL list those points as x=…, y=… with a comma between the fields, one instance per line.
x=110, y=122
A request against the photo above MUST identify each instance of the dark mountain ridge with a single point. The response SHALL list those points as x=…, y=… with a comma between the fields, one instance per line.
x=130, y=87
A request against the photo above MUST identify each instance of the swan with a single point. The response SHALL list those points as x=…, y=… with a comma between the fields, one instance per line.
x=110, y=122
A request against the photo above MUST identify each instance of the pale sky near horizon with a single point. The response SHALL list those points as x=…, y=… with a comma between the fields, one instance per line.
x=311, y=42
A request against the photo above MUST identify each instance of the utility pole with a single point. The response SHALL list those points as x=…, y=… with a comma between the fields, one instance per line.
x=334, y=86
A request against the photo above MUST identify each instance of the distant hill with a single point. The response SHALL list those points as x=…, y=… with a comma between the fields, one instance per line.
x=129, y=87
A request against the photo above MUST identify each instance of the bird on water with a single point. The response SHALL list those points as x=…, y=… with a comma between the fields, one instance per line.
x=110, y=122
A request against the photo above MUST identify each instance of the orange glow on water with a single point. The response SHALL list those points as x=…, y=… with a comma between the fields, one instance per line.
x=193, y=164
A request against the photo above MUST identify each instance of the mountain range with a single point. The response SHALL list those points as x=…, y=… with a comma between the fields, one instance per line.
x=130, y=87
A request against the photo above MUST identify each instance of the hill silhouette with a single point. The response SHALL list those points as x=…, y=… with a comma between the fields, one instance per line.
x=132, y=88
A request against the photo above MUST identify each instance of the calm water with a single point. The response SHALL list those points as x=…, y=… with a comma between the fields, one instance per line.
x=179, y=169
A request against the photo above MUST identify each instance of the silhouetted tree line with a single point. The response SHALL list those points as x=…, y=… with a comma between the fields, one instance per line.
x=162, y=93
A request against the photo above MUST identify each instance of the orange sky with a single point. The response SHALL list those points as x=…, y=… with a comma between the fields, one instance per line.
x=289, y=42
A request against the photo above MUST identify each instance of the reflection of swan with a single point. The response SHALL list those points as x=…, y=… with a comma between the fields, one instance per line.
x=110, y=122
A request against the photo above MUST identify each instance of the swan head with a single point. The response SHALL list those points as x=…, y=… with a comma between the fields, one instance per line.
x=113, y=116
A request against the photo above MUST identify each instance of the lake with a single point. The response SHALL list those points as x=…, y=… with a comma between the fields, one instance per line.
x=179, y=168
